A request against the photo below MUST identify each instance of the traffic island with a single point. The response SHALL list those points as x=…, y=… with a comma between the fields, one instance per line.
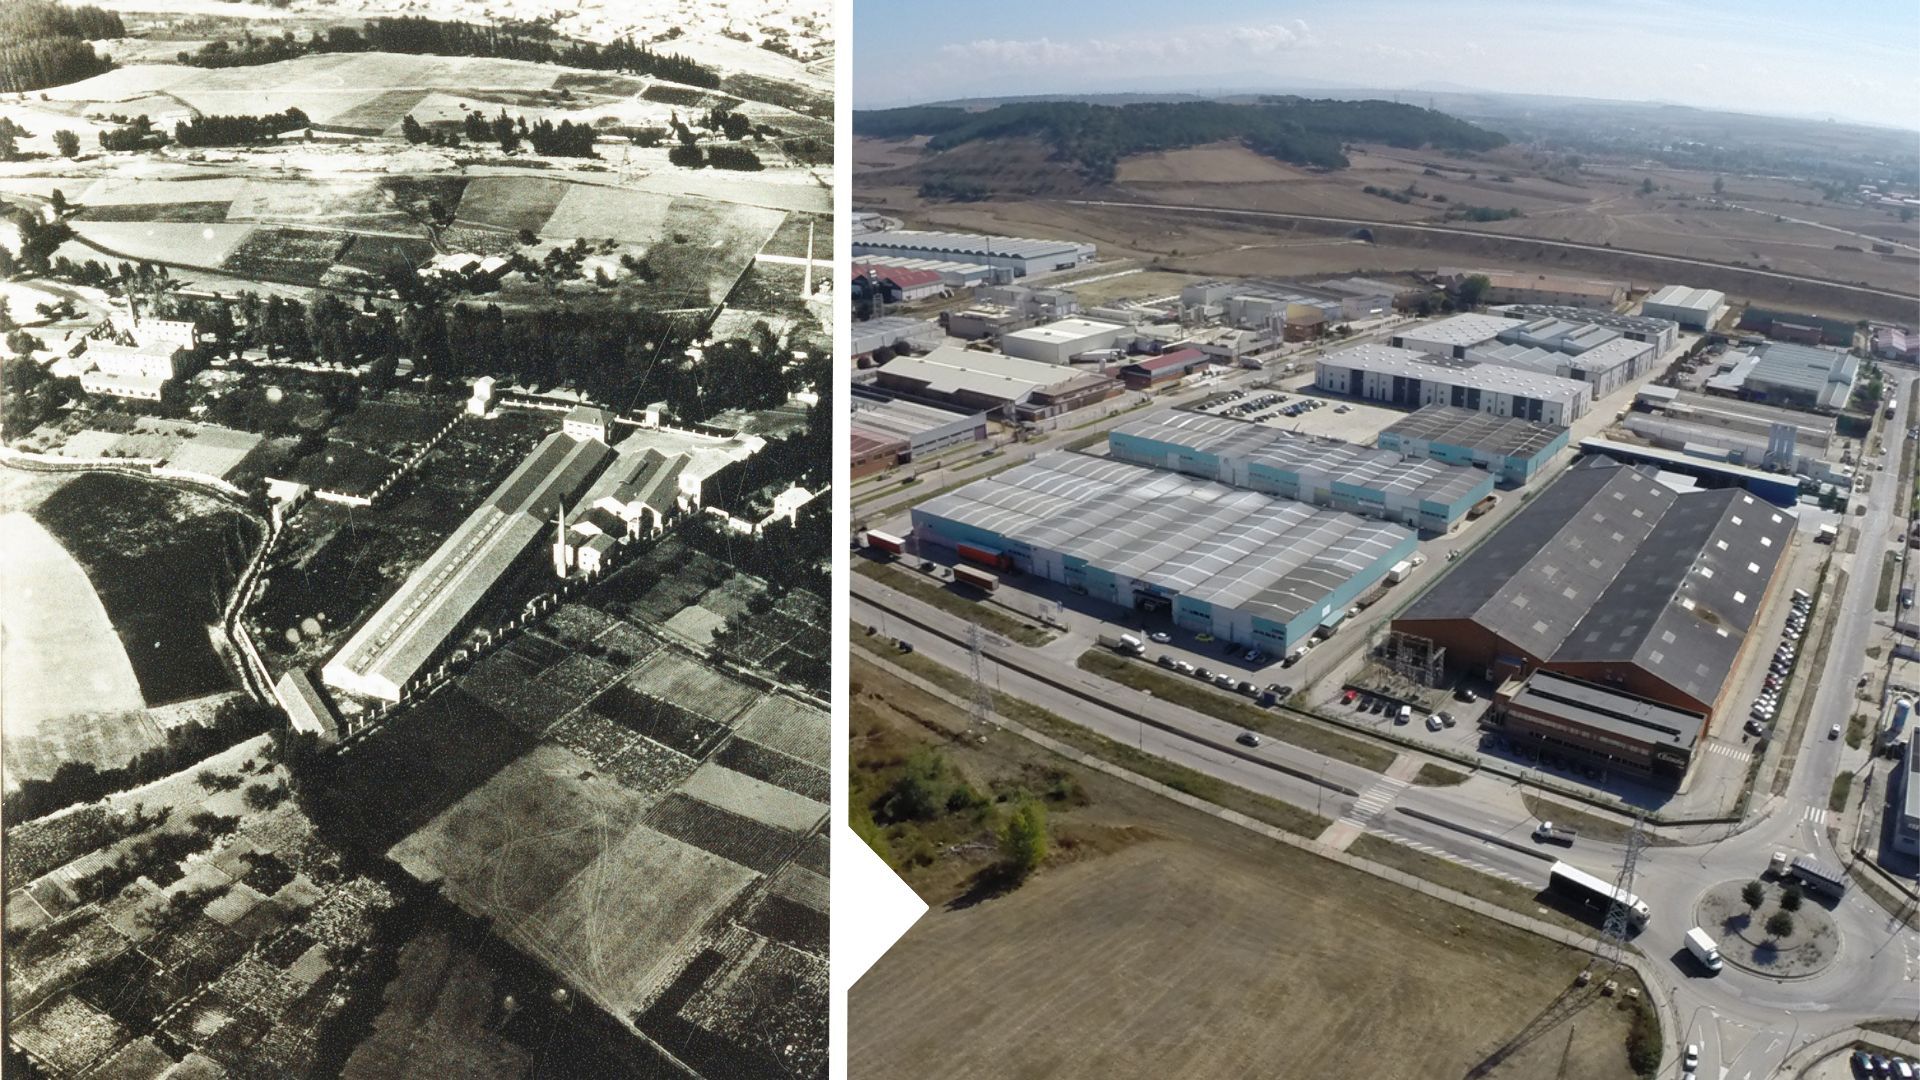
x=1748, y=938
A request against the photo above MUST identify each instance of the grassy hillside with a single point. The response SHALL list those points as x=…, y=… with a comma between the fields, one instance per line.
x=1096, y=137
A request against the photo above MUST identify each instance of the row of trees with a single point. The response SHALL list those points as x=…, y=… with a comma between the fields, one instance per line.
x=433, y=37
x=565, y=139
x=237, y=130
x=44, y=43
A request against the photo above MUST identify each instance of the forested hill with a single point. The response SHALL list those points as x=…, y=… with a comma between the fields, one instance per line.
x=1295, y=130
x=43, y=43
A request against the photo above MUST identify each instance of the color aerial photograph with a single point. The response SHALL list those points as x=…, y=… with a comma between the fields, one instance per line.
x=415, y=504
x=1382, y=538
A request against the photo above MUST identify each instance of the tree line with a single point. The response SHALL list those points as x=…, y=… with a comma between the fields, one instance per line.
x=236, y=130
x=44, y=43
x=418, y=35
x=565, y=139
x=1096, y=137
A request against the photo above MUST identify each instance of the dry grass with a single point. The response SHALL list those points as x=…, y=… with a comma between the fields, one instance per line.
x=1185, y=946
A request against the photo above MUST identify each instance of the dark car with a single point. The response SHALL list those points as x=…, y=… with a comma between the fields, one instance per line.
x=1466, y=694
x=1248, y=738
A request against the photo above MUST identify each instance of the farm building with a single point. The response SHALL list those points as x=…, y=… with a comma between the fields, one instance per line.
x=1611, y=577
x=1452, y=337
x=1662, y=334
x=909, y=429
x=1060, y=342
x=142, y=370
x=391, y=650
x=1424, y=495
x=1695, y=309
x=1513, y=450
x=1413, y=379
x=1164, y=370
x=1521, y=287
x=1022, y=256
x=1557, y=714
x=994, y=383
x=894, y=332
x=1261, y=571
x=1795, y=376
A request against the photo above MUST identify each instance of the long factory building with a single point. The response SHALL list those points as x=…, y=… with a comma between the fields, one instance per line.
x=1426, y=495
x=1411, y=378
x=1248, y=567
x=1513, y=450
x=1020, y=255
x=396, y=644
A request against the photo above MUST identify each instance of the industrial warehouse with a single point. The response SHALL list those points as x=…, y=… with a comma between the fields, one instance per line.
x=887, y=432
x=1695, y=309
x=1426, y=495
x=1411, y=379
x=1795, y=376
x=1611, y=577
x=1513, y=450
x=1254, y=569
x=994, y=382
x=1021, y=256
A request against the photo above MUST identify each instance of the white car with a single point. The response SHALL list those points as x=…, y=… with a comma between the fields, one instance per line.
x=1833, y=732
x=1692, y=1060
x=1434, y=723
x=1160, y=636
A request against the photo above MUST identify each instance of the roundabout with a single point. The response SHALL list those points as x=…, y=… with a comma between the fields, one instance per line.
x=1747, y=940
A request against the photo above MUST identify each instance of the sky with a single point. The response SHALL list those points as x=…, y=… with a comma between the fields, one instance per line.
x=1856, y=60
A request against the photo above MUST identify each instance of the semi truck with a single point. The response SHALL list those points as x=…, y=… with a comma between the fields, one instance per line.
x=974, y=576
x=1819, y=878
x=1704, y=949
x=887, y=542
x=1581, y=887
x=1124, y=643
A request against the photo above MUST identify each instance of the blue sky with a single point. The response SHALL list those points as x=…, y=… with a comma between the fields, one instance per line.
x=1854, y=59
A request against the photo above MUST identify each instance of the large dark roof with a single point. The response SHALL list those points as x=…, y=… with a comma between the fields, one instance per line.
x=1633, y=718
x=1609, y=566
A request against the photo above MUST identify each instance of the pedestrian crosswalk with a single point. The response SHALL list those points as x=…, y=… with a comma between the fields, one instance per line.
x=1373, y=800
x=1734, y=752
x=1442, y=853
x=1816, y=814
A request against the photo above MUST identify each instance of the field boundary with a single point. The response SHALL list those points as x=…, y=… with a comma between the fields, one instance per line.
x=1663, y=1006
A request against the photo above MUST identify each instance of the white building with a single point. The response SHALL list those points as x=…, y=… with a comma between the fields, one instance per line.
x=588, y=422
x=1411, y=379
x=1695, y=309
x=1454, y=336
x=1020, y=255
x=1059, y=342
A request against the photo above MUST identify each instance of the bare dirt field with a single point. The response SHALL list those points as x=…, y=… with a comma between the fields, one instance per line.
x=1255, y=960
x=61, y=655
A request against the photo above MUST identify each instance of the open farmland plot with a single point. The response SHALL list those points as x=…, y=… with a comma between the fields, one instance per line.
x=148, y=191
x=169, y=212
x=380, y=114
x=343, y=467
x=704, y=248
x=511, y=202
x=776, y=992
x=67, y=1034
x=731, y=836
x=438, y=1018
x=664, y=722
x=162, y=561
x=173, y=243
x=380, y=254
x=743, y=755
x=296, y=256
x=717, y=785
x=673, y=677
x=595, y=212
x=789, y=726
x=391, y=426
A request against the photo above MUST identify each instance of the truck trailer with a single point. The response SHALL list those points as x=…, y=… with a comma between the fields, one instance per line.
x=1576, y=884
x=1704, y=949
x=1124, y=643
x=975, y=577
x=1819, y=878
x=887, y=542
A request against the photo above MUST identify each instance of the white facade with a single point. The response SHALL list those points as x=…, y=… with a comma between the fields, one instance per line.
x=1412, y=379
x=1060, y=342
x=1454, y=336
x=1020, y=255
x=1695, y=309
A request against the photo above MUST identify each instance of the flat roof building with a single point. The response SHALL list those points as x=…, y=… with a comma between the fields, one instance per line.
x=895, y=332
x=1163, y=370
x=1662, y=334
x=1780, y=489
x=1611, y=577
x=1796, y=376
x=1059, y=342
x=1426, y=495
x=1513, y=450
x=1555, y=713
x=1412, y=379
x=994, y=382
x=1906, y=818
x=1022, y=256
x=917, y=429
x=1452, y=337
x=1695, y=309
x=1250, y=568
x=1523, y=287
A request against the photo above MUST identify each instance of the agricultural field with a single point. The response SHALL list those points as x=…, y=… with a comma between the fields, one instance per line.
x=614, y=773
x=200, y=918
x=162, y=561
x=1141, y=890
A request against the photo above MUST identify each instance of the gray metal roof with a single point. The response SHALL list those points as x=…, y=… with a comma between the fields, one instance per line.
x=1680, y=296
x=1232, y=548
x=1338, y=462
x=1642, y=324
x=1499, y=379
x=1630, y=717
x=1606, y=565
x=1458, y=330
x=948, y=370
x=905, y=419
x=1501, y=436
x=1807, y=369
x=969, y=244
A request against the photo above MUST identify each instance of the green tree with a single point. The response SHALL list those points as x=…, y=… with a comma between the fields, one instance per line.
x=1719, y=184
x=1753, y=894
x=1779, y=925
x=1790, y=898
x=67, y=143
x=1023, y=839
x=1646, y=186
x=1472, y=289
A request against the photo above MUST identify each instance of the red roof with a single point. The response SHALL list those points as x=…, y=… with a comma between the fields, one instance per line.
x=1177, y=358
x=906, y=279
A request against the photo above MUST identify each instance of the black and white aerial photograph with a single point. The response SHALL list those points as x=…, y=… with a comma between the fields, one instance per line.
x=415, y=499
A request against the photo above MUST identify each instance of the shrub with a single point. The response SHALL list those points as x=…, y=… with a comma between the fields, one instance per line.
x=1643, y=1040
x=1790, y=898
x=1753, y=894
x=1023, y=839
x=1779, y=924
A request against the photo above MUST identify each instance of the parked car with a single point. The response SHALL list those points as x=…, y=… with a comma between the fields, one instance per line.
x=1466, y=694
x=1165, y=661
x=1253, y=656
x=1755, y=728
x=1446, y=718
x=1405, y=714
x=1160, y=636
x=1434, y=723
x=1347, y=697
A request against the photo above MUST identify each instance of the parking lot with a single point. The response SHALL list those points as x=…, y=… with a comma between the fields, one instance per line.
x=1292, y=405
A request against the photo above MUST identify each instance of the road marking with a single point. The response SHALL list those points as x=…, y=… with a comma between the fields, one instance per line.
x=1440, y=853
x=1816, y=814
x=1733, y=752
x=1373, y=800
